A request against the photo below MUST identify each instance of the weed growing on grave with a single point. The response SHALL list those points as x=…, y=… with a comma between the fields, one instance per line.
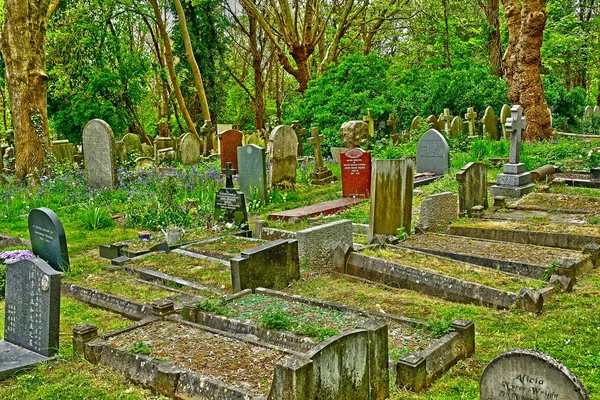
x=94, y=218
x=139, y=348
x=276, y=318
x=214, y=306
x=437, y=329
x=550, y=271
x=401, y=234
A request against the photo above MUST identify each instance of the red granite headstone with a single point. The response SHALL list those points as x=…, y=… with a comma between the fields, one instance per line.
x=229, y=141
x=356, y=173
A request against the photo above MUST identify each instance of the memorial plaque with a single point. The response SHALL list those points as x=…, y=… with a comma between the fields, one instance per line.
x=529, y=375
x=356, y=173
x=433, y=153
x=229, y=141
x=252, y=171
x=32, y=313
x=48, y=240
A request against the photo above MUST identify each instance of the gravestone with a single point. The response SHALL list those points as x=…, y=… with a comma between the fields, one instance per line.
x=597, y=110
x=321, y=174
x=208, y=131
x=224, y=127
x=336, y=153
x=446, y=119
x=120, y=151
x=161, y=143
x=32, y=315
x=252, y=172
x=190, y=148
x=62, y=151
x=230, y=203
x=415, y=125
x=438, y=210
x=490, y=123
x=370, y=122
x=229, y=141
x=393, y=122
x=514, y=182
x=588, y=110
x=504, y=115
x=99, y=152
x=283, y=150
x=551, y=118
x=457, y=128
x=354, y=134
x=166, y=155
x=471, y=116
x=300, y=133
x=433, y=153
x=255, y=139
x=432, y=122
x=48, y=240
x=391, y=196
x=144, y=163
x=147, y=150
x=132, y=143
x=356, y=173
x=472, y=188
x=529, y=375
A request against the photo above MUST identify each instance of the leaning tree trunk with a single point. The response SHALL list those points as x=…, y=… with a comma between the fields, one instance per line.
x=492, y=11
x=23, y=45
x=523, y=63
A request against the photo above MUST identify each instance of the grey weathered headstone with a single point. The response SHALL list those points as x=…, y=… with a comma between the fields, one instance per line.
x=490, y=123
x=132, y=143
x=529, y=375
x=283, y=150
x=144, y=163
x=32, y=315
x=230, y=203
x=147, y=150
x=457, y=128
x=62, y=151
x=161, y=143
x=252, y=171
x=504, y=115
x=472, y=187
x=355, y=134
x=471, y=116
x=588, y=110
x=597, y=110
x=165, y=155
x=190, y=148
x=300, y=134
x=391, y=196
x=438, y=210
x=99, y=151
x=433, y=153
x=120, y=151
x=48, y=240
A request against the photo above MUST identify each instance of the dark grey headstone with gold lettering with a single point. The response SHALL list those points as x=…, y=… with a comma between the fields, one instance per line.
x=230, y=203
x=48, y=240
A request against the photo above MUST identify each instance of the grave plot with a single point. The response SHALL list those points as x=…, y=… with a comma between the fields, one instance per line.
x=565, y=203
x=224, y=247
x=577, y=179
x=444, y=278
x=301, y=323
x=528, y=260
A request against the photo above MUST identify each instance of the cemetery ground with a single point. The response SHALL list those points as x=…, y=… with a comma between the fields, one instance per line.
x=568, y=327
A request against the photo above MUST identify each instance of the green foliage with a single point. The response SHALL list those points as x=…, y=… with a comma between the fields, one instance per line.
x=139, y=348
x=437, y=329
x=315, y=331
x=276, y=318
x=94, y=217
x=214, y=306
x=567, y=105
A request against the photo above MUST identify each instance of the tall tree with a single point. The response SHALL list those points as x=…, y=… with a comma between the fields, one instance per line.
x=23, y=45
x=526, y=20
x=491, y=9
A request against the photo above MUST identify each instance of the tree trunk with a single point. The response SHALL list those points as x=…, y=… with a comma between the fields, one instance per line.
x=492, y=10
x=259, y=83
x=446, y=35
x=523, y=64
x=23, y=45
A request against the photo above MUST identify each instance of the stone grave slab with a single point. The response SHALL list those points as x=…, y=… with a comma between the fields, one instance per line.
x=48, y=240
x=326, y=208
x=529, y=374
x=356, y=173
x=99, y=152
x=229, y=141
x=252, y=171
x=437, y=210
x=433, y=153
x=62, y=151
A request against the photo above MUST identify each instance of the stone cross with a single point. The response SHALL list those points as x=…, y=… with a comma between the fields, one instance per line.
x=207, y=128
x=369, y=120
x=470, y=116
x=207, y=131
x=229, y=173
x=446, y=119
x=392, y=121
x=316, y=140
x=515, y=125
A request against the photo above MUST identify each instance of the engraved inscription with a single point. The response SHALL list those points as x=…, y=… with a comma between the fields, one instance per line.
x=44, y=234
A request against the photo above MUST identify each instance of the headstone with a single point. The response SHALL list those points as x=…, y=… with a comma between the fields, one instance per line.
x=588, y=110
x=255, y=139
x=252, y=172
x=438, y=210
x=230, y=203
x=209, y=134
x=336, y=153
x=504, y=115
x=166, y=155
x=321, y=174
x=229, y=141
x=391, y=196
x=32, y=315
x=190, y=148
x=300, y=133
x=354, y=134
x=8, y=159
x=356, y=173
x=446, y=119
x=490, y=123
x=224, y=127
x=370, y=121
x=432, y=122
x=472, y=187
x=48, y=240
x=132, y=143
x=529, y=375
x=416, y=123
x=550, y=116
x=120, y=151
x=161, y=143
x=144, y=163
x=514, y=182
x=433, y=153
x=62, y=151
x=393, y=122
x=147, y=150
x=457, y=128
x=471, y=116
x=283, y=150
x=99, y=150
x=596, y=110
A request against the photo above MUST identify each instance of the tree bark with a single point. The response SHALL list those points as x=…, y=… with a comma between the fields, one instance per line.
x=257, y=66
x=526, y=20
x=491, y=10
x=23, y=45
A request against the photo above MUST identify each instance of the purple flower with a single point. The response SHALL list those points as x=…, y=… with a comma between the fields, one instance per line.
x=15, y=255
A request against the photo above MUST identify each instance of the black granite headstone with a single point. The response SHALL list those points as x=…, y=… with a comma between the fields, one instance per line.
x=48, y=240
x=32, y=315
x=230, y=207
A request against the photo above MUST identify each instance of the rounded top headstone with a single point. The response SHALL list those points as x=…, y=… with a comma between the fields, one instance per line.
x=529, y=374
